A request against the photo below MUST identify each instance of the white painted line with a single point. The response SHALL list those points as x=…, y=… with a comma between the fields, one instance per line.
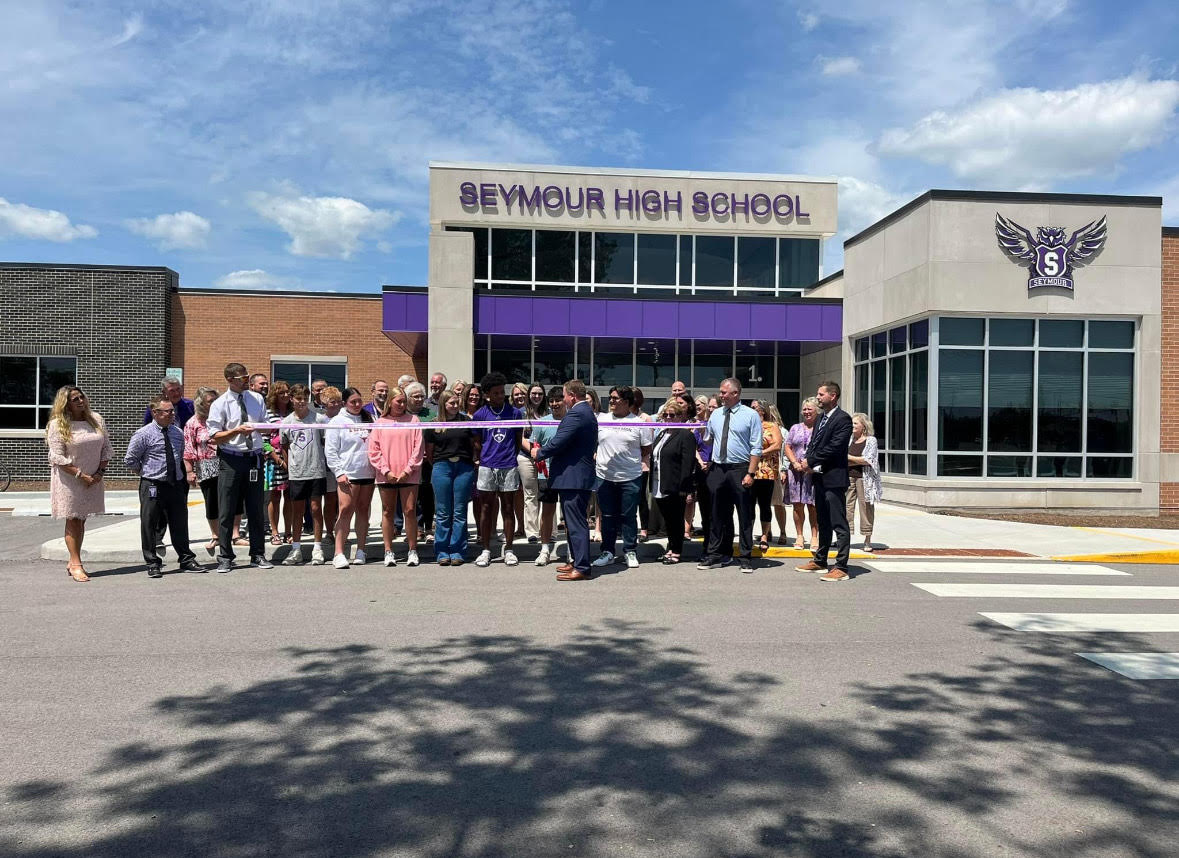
x=992, y=567
x=1138, y=665
x=1049, y=591
x=1087, y=622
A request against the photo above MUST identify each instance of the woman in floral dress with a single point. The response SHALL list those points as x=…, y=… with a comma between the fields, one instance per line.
x=800, y=492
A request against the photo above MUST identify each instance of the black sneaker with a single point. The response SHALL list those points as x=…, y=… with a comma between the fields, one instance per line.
x=224, y=565
x=708, y=562
x=259, y=561
x=746, y=565
x=192, y=566
x=155, y=572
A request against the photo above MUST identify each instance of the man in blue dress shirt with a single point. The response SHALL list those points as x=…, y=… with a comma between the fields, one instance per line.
x=156, y=454
x=735, y=430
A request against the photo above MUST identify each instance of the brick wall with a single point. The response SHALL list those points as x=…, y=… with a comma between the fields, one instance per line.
x=115, y=320
x=212, y=328
x=1169, y=433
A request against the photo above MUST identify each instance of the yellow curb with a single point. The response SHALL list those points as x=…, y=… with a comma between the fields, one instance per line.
x=1165, y=557
x=1115, y=533
x=785, y=551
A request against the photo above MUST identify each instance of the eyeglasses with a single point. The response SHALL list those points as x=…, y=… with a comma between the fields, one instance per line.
x=615, y=399
x=166, y=412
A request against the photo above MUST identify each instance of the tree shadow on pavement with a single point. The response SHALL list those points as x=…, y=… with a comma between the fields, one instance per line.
x=615, y=741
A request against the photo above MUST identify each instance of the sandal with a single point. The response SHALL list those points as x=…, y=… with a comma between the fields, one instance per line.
x=669, y=558
x=78, y=573
x=275, y=539
x=241, y=541
x=764, y=544
x=211, y=546
x=782, y=540
x=798, y=543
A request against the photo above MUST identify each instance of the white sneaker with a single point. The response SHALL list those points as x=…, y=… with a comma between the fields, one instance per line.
x=510, y=558
x=390, y=560
x=295, y=557
x=340, y=561
x=632, y=560
x=484, y=559
x=545, y=555
x=317, y=555
x=412, y=559
x=358, y=558
x=604, y=559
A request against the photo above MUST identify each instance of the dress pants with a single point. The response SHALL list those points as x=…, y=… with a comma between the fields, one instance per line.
x=831, y=510
x=163, y=506
x=575, y=511
x=672, y=508
x=724, y=484
x=234, y=486
x=704, y=504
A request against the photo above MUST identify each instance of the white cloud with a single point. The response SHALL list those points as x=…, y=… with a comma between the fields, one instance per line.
x=252, y=278
x=173, y=231
x=1030, y=137
x=808, y=20
x=20, y=220
x=839, y=66
x=322, y=226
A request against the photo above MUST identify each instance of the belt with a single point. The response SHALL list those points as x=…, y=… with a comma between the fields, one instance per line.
x=163, y=482
x=241, y=454
x=727, y=465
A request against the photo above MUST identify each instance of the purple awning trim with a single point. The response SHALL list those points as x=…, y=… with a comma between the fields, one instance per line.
x=621, y=317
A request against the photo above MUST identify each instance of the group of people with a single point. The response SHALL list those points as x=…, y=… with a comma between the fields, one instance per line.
x=307, y=460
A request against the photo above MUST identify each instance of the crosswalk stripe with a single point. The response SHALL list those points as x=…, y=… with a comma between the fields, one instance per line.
x=968, y=567
x=1138, y=665
x=1133, y=623
x=1049, y=591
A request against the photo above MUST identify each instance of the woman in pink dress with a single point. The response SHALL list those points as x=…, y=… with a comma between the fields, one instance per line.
x=396, y=456
x=79, y=450
x=800, y=491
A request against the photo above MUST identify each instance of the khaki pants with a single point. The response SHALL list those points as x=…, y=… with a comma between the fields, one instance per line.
x=855, y=493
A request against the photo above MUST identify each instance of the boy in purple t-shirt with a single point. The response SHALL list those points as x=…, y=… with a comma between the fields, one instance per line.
x=498, y=477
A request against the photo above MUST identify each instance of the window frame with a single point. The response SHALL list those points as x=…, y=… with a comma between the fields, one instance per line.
x=37, y=430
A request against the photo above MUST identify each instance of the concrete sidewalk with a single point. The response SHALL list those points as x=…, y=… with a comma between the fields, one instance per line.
x=900, y=532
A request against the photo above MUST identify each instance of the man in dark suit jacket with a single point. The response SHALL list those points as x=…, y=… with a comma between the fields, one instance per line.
x=571, y=473
x=826, y=459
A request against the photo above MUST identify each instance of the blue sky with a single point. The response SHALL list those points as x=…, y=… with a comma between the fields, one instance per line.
x=284, y=143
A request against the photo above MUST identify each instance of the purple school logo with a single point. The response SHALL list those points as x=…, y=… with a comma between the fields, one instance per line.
x=1050, y=259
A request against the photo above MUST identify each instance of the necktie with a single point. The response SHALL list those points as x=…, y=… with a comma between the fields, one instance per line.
x=822, y=423
x=170, y=454
x=724, y=445
x=241, y=401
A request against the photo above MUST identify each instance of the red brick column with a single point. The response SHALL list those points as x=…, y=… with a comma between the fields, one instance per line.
x=1169, y=433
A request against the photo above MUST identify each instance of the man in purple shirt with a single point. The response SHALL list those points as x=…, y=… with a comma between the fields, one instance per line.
x=498, y=478
x=173, y=391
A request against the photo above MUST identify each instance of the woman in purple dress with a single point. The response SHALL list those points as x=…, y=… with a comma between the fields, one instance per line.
x=799, y=492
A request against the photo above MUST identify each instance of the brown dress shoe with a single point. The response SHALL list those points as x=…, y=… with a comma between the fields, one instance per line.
x=810, y=566
x=835, y=574
x=568, y=567
x=574, y=576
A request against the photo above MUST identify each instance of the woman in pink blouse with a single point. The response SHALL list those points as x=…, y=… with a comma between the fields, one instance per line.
x=200, y=459
x=79, y=450
x=396, y=456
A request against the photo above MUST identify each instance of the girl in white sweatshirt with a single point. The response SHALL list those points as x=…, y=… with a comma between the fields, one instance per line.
x=346, y=451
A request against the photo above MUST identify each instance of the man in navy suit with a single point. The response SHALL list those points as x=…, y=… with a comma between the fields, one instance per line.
x=826, y=459
x=571, y=473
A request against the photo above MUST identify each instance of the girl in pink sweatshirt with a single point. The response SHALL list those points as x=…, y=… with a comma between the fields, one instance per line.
x=396, y=456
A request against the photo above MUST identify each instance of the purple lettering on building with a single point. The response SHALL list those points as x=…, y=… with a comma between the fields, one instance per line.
x=700, y=203
x=508, y=193
x=740, y=204
x=529, y=201
x=468, y=194
x=720, y=203
x=759, y=204
x=783, y=205
x=678, y=204
x=487, y=195
x=619, y=203
x=569, y=206
x=651, y=202
x=553, y=199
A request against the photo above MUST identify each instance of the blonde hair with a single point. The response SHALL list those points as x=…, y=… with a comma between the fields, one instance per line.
x=198, y=403
x=869, y=429
x=394, y=392
x=60, y=418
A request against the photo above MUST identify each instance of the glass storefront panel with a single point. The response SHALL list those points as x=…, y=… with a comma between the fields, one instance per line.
x=960, y=400
x=755, y=263
x=896, y=404
x=553, y=360
x=613, y=363
x=755, y=363
x=585, y=255
x=1009, y=466
x=712, y=363
x=959, y=466
x=1009, y=402
x=654, y=363
x=657, y=260
x=1060, y=401
x=1013, y=332
x=788, y=366
x=685, y=260
x=798, y=262
x=1111, y=335
x=918, y=400
x=1110, y=467
x=1058, y=466
x=614, y=257
x=962, y=332
x=1061, y=334
x=512, y=356
x=554, y=255
x=879, y=412
x=1111, y=400
x=714, y=260
x=511, y=254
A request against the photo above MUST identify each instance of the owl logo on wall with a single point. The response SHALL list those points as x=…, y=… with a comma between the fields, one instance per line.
x=1050, y=259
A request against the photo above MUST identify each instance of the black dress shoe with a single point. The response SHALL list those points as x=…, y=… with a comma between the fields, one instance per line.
x=224, y=565
x=155, y=572
x=192, y=566
x=746, y=566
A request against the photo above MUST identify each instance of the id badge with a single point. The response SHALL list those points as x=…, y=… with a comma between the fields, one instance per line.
x=253, y=475
x=151, y=491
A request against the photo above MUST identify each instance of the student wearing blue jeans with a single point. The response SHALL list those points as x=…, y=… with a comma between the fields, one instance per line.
x=453, y=452
x=619, y=467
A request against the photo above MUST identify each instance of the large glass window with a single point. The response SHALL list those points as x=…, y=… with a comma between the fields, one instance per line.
x=798, y=262
x=554, y=256
x=657, y=259
x=512, y=356
x=28, y=386
x=712, y=363
x=654, y=363
x=511, y=254
x=553, y=360
x=714, y=261
x=614, y=261
x=613, y=362
x=755, y=263
x=334, y=372
x=1048, y=398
